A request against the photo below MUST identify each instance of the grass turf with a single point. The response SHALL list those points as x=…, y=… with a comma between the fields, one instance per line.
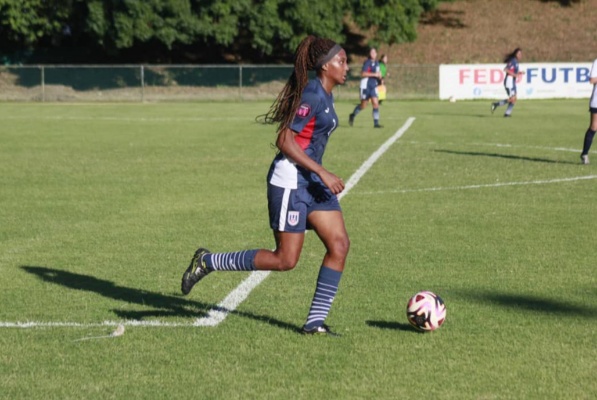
x=102, y=206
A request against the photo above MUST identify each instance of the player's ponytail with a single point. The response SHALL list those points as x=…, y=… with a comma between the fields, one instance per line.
x=307, y=57
x=512, y=55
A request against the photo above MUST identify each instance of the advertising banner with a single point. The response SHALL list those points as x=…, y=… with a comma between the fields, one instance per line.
x=540, y=81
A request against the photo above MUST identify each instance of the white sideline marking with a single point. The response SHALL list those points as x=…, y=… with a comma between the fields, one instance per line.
x=513, y=146
x=489, y=185
x=242, y=291
x=130, y=322
x=233, y=300
x=238, y=295
x=124, y=119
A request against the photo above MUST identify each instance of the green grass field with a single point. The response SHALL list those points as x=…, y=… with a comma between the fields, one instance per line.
x=102, y=206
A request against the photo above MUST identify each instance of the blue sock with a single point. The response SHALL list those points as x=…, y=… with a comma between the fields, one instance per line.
x=376, y=116
x=356, y=110
x=327, y=286
x=233, y=261
x=588, y=141
x=509, y=109
x=502, y=102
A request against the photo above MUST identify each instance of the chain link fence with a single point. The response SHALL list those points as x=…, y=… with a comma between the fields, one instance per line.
x=155, y=83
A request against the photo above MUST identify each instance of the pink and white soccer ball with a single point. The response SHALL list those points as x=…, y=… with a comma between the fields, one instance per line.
x=426, y=311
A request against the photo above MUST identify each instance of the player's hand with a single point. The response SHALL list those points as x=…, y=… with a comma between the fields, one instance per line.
x=335, y=184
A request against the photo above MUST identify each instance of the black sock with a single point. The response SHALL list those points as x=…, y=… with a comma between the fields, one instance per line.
x=588, y=141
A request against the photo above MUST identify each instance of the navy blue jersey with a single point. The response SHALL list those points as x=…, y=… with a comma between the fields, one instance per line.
x=511, y=66
x=371, y=66
x=314, y=122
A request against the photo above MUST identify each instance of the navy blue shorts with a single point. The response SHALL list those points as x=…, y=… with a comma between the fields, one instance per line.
x=289, y=208
x=511, y=91
x=593, y=110
x=368, y=93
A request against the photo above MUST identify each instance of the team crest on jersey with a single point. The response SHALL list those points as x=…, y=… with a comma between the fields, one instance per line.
x=303, y=110
x=293, y=218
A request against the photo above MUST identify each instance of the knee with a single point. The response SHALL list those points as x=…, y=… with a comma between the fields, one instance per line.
x=287, y=264
x=340, y=246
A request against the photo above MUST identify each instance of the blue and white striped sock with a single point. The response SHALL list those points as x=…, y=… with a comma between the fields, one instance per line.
x=233, y=261
x=327, y=286
x=509, y=109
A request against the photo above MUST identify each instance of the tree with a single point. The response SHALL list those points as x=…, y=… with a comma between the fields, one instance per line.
x=26, y=22
x=264, y=27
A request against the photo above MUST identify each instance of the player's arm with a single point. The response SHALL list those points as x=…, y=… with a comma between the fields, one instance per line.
x=365, y=74
x=292, y=150
x=593, y=80
x=510, y=71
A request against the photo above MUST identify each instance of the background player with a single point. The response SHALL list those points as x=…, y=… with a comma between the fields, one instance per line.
x=512, y=75
x=370, y=78
x=301, y=192
x=584, y=156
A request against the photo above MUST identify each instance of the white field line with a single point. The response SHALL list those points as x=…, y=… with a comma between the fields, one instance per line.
x=488, y=185
x=125, y=119
x=512, y=146
x=242, y=291
x=238, y=295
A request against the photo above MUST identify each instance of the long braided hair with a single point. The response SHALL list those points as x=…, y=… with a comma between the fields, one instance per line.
x=308, y=53
x=510, y=56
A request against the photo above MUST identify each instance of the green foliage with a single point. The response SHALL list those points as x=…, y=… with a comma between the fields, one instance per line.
x=122, y=23
x=266, y=26
x=27, y=21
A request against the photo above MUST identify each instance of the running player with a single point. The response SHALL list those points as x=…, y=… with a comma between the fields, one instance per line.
x=301, y=192
x=512, y=74
x=584, y=156
x=370, y=78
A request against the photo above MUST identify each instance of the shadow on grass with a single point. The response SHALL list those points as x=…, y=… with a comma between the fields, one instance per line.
x=392, y=325
x=507, y=156
x=522, y=302
x=164, y=305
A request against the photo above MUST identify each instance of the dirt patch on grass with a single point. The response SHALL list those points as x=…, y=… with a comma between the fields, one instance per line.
x=483, y=31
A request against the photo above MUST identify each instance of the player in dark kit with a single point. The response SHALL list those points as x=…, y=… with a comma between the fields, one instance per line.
x=512, y=74
x=590, y=133
x=301, y=192
x=370, y=78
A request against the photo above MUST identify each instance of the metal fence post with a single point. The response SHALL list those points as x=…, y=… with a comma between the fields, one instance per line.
x=142, y=83
x=43, y=84
x=240, y=81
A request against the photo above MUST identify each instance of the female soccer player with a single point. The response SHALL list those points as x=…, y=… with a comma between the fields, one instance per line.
x=512, y=75
x=370, y=78
x=584, y=156
x=301, y=192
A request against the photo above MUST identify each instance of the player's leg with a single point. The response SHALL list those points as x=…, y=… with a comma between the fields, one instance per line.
x=329, y=226
x=285, y=256
x=362, y=104
x=589, y=135
x=511, y=101
x=288, y=220
x=501, y=102
x=375, y=104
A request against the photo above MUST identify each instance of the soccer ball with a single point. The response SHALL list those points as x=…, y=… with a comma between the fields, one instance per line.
x=426, y=311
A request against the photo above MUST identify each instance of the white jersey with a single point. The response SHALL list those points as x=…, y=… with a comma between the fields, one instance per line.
x=593, y=74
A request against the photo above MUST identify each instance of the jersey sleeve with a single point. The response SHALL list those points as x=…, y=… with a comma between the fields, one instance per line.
x=366, y=66
x=310, y=104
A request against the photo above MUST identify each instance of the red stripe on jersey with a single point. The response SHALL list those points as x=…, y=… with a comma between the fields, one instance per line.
x=304, y=138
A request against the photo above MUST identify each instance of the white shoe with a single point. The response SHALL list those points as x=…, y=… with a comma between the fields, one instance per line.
x=584, y=159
